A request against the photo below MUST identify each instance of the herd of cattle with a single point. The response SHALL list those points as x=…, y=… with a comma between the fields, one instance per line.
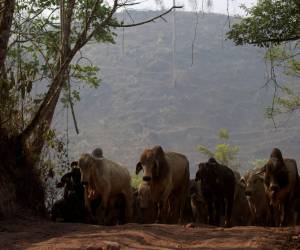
x=99, y=191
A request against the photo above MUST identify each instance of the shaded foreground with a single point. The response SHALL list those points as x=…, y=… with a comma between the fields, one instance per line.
x=39, y=234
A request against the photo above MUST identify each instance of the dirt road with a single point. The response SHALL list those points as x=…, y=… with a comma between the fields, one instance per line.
x=45, y=235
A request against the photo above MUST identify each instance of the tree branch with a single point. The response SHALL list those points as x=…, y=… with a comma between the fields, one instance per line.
x=276, y=40
x=147, y=21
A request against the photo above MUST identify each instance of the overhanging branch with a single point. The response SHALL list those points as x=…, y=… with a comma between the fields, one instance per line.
x=276, y=40
x=147, y=21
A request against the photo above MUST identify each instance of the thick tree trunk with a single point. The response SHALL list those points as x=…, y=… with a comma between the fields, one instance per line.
x=6, y=18
x=20, y=184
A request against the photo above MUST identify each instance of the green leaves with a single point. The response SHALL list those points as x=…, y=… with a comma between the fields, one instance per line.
x=224, y=152
x=269, y=22
x=136, y=180
x=204, y=150
x=287, y=102
x=272, y=24
x=223, y=134
x=86, y=73
x=35, y=52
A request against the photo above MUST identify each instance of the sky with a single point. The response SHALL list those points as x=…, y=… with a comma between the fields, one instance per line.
x=218, y=6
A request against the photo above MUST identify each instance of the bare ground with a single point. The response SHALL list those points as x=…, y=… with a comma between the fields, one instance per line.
x=41, y=234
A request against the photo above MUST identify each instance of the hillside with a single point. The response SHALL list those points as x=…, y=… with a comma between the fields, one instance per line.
x=138, y=106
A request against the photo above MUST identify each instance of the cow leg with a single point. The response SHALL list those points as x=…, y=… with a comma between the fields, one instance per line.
x=218, y=213
x=228, y=212
x=174, y=212
x=104, y=209
x=182, y=206
x=210, y=213
x=163, y=206
x=90, y=218
x=162, y=211
x=159, y=212
x=128, y=205
x=287, y=214
x=271, y=221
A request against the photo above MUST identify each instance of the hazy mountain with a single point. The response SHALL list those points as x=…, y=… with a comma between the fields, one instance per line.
x=138, y=106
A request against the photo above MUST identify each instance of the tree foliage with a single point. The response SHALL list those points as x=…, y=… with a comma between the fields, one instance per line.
x=270, y=22
x=136, y=180
x=40, y=61
x=43, y=52
x=274, y=25
x=224, y=152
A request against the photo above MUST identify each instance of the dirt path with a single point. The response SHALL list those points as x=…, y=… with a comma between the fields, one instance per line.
x=44, y=235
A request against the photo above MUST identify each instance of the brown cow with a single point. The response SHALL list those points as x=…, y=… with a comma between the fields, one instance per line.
x=241, y=214
x=198, y=204
x=167, y=174
x=281, y=181
x=145, y=207
x=107, y=180
x=255, y=192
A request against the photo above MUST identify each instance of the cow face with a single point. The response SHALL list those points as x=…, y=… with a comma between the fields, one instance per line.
x=152, y=163
x=276, y=176
x=85, y=165
x=254, y=183
x=149, y=168
x=207, y=174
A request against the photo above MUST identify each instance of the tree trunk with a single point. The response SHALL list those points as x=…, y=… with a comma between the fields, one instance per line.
x=21, y=188
x=5, y=29
x=20, y=184
x=6, y=18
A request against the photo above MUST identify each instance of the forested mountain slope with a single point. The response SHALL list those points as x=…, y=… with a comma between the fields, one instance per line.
x=138, y=105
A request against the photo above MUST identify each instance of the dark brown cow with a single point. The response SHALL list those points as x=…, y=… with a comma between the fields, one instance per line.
x=281, y=181
x=71, y=207
x=217, y=186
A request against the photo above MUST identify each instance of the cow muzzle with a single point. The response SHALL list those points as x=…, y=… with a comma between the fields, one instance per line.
x=248, y=192
x=274, y=190
x=147, y=178
x=84, y=183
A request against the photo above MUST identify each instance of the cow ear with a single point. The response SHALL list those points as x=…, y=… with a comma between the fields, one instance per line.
x=138, y=168
x=74, y=164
